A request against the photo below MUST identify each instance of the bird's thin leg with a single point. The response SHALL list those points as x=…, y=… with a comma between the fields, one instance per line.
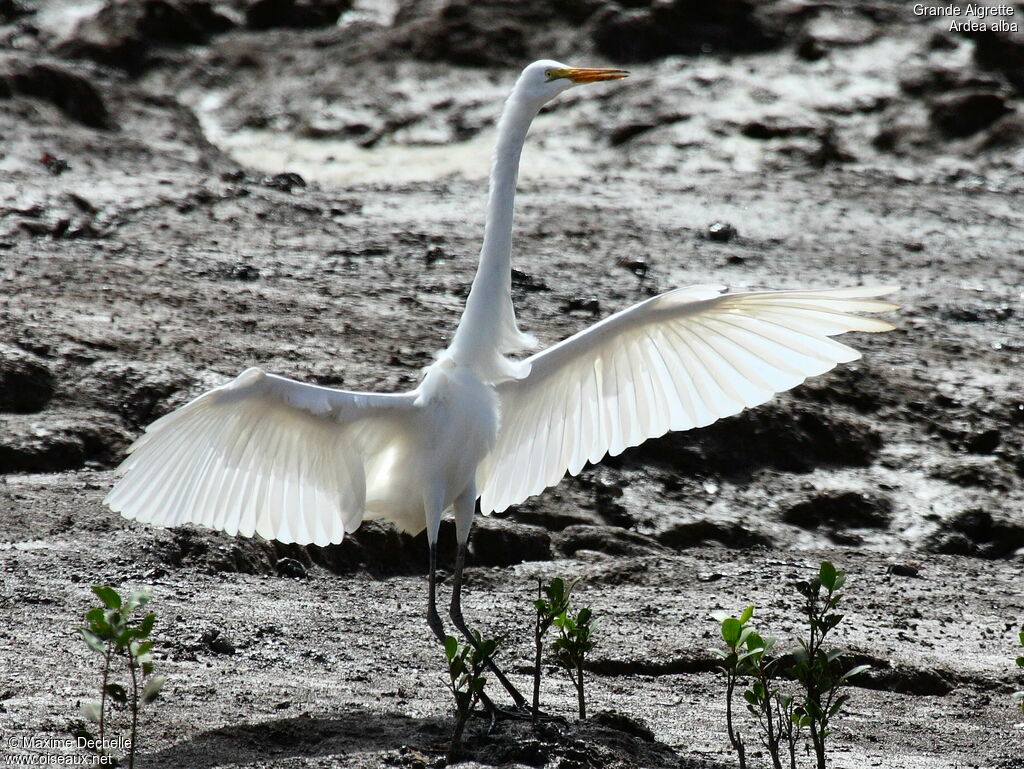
x=465, y=506
x=433, y=618
x=433, y=508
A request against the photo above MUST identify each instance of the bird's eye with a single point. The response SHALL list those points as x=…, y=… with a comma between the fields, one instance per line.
x=550, y=74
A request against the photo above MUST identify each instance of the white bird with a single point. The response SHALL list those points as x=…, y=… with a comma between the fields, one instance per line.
x=296, y=462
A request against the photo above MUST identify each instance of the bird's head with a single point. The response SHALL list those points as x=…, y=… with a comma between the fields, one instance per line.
x=545, y=79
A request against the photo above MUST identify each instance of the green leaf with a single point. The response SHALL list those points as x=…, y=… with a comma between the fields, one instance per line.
x=110, y=597
x=827, y=574
x=731, y=629
x=95, y=616
x=584, y=616
x=92, y=711
x=838, y=704
x=147, y=667
x=747, y=614
x=92, y=640
x=744, y=635
x=123, y=638
x=142, y=649
x=153, y=687
x=854, y=672
x=146, y=626
x=451, y=646
x=137, y=599
x=1020, y=661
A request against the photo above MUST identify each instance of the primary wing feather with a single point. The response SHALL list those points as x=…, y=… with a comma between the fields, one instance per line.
x=680, y=360
x=263, y=455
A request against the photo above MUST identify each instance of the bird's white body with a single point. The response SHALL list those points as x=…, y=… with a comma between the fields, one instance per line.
x=300, y=463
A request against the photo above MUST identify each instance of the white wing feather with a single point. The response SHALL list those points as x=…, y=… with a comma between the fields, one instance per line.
x=683, y=359
x=264, y=455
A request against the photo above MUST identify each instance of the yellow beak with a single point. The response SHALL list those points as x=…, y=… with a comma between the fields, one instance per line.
x=587, y=75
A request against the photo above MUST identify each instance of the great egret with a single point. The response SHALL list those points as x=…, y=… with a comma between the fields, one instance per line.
x=300, y=463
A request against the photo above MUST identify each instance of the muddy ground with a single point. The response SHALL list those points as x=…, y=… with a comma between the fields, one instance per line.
x=191, y=188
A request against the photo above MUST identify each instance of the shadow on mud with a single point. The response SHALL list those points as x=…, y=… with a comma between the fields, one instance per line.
x=354, y=731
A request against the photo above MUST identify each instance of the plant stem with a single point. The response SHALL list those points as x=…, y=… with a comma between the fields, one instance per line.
x=135, y=709
x=103, y=694
x=578, y=680
x=538, y=634
x=819, y=746
x=734, y=737
x=456, y=744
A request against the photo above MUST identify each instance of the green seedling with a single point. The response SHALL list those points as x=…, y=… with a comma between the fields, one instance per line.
x=466, y=681
x=735, y=632
x=552, y=601
x=788, y=694
x=112, y=632
x=574, y=642
x=1020, y=663
x=814, y=668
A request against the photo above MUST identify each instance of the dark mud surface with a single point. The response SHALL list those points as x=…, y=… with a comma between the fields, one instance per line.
x=191, y=188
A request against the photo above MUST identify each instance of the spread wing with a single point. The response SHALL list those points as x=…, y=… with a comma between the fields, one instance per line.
x=266, y=455
x=680, y=360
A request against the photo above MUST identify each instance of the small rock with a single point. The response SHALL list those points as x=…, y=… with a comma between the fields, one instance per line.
x=527, y=282
x=284, y=182
x=289, y=567
x=962, y=114
x=904, y=569
x=720, y=232
x=54, y=164
x=638, y=267
x=242, y=271
x=590, y=305
x=434, y=253
x=216, y=642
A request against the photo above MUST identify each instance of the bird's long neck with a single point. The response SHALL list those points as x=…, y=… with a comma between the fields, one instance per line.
x=488, y=328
